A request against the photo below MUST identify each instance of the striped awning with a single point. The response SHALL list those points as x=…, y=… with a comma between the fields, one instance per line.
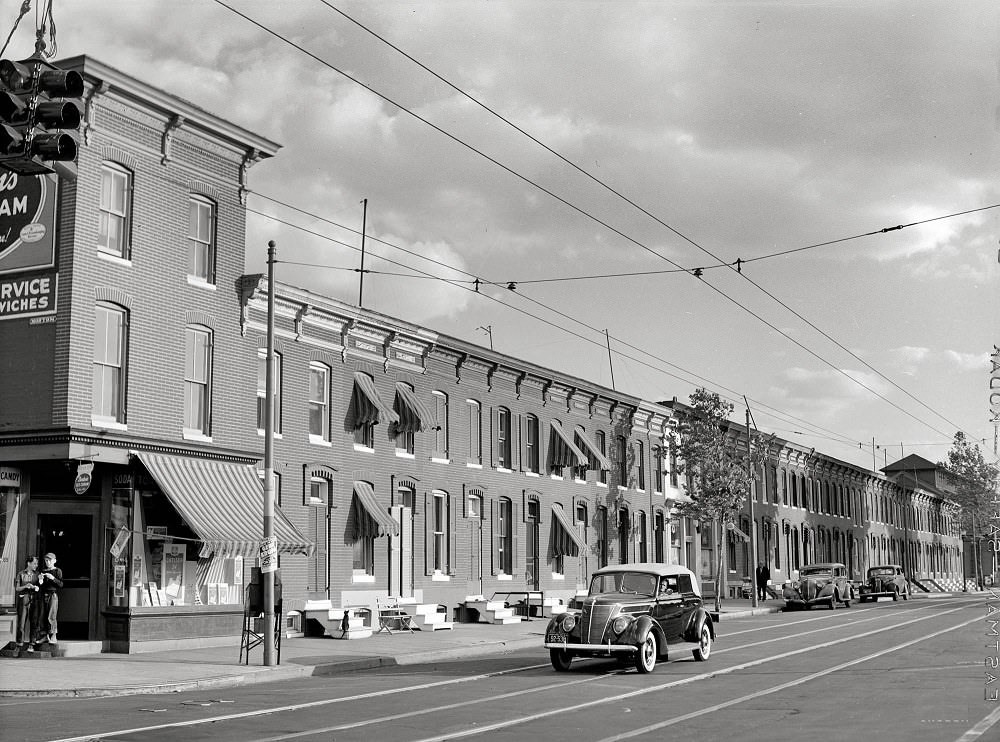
x=223, y=503
x=366, y=406
x=602, y=461
x=677, y=497
x=414, y=415
x=562, y=450
x=565, y=541
x=367, y=518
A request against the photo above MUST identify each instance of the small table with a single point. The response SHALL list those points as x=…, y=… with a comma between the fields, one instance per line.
x=389, y=618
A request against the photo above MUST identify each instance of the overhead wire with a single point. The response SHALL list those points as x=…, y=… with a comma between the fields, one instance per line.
x=576, y=208
x=698, y=272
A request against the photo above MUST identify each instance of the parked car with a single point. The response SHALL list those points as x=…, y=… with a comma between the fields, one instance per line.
x=821, y=583
x=884, y=580
x=638, y=613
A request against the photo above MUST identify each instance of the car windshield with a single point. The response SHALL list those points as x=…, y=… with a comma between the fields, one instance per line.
x=816, y=572
x=882, y=572
x=638, y=583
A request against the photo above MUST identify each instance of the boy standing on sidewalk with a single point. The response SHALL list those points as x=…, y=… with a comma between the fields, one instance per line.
x=25, y=589
x=50, y=580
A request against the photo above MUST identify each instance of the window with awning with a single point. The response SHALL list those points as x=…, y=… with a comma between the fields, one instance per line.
x=563, y=451
x=413, y=413
x=585, y=444
x=367, y=520
x=223, y=503
x=366, y=407
x=563, y=537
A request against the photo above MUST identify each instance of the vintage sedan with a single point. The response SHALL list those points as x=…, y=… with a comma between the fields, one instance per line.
x=824, y=583
x=637, y=613
x=884, y=580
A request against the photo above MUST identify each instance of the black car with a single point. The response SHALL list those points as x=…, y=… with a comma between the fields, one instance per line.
x=637, y=613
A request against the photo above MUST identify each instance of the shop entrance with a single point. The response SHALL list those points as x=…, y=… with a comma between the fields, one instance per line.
x=69, y=532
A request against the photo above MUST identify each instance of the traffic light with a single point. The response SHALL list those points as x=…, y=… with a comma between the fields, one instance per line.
x=40, y=108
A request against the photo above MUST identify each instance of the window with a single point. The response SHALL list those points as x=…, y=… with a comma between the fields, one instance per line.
x=475, y=432
x=319, y=401
x=201, y=239
x=441, y=431
x=640, y=466
x=601, y=541
x=198, y=380
x=784, y=487
x=262, y=390
x=622, y=451
x=405, y=436
x=640, y=537
x=439, y=535
x=473, y=506
x=624, y=526
x=581, y=518
x=504, y=460
x=659, y=531
x=600, y=441
x=115, y=210
x=364, y=429
x=363, y=564
x=505, y=536
x=110, y=345
x=558, y=560
x=657, y=469
x=673, y=464
x=531, y=444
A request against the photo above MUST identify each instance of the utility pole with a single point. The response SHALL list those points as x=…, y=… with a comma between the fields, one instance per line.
x=489, y=331
x=361, y=281
x=607, y=337
x=269, y=464
x=752, y=568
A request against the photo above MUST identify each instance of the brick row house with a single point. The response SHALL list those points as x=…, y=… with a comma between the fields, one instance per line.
x=408, y=464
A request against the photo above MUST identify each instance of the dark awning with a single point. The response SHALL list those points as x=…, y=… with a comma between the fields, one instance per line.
x=414, y=415
x=367, y=406
x=369, y=520
x=602, y=460
x=565, y=540
x=562, y=450
x=223, y=503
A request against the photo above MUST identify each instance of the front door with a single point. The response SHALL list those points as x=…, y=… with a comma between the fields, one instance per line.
x=531, y=548
x=70, y=532
x=401, y=553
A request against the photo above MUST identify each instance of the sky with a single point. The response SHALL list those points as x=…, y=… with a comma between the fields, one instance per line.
x=535, y=145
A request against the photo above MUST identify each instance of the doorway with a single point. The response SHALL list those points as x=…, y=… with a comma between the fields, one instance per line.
x=531, y=549
x=69, y=532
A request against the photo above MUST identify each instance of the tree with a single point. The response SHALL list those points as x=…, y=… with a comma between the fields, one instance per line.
x=718, y=471
x=975, y=487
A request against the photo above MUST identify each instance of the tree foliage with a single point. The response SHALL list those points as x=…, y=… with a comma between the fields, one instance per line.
x=717, y=471
x=975, y=479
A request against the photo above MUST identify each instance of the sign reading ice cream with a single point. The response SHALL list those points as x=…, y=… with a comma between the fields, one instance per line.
x=28, y=278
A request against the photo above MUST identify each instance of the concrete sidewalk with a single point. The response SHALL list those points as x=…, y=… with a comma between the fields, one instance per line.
x=219, y=667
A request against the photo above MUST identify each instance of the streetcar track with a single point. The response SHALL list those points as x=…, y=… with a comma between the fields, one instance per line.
x=95, y=737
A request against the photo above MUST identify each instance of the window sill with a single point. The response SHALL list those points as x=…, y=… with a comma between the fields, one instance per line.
x=556, y=477
x=558, y=576
x=440, y=577
x=196, y=435
x=602, y=484
x=532, y=474
x=359, y=579
x=318, y=440
x=579, y=481
x=504, y=577
x=403, y=454
x=260, y=432
x=363, y=449
x=107, y=423
x=504, y=470
x=200, y=283
x=439, y=460
x=470, y=465
x=112, y=258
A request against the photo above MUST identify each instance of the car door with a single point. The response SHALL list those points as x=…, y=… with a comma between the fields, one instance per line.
x=668, y=611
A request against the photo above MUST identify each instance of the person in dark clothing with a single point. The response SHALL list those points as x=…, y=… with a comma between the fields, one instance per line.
x=25, y=589
x=50, y=580
x=763, y=576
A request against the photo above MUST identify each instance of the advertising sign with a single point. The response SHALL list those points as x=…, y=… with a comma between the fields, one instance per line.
x=27, y=243
x=269, y=555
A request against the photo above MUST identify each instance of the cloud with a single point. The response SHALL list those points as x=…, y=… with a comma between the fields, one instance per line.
x=968, y=361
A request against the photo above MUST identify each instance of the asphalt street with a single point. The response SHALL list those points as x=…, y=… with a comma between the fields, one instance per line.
x=904, y=671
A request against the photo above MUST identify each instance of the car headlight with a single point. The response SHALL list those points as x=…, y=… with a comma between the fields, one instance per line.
x=620, y=624
x=568, y=622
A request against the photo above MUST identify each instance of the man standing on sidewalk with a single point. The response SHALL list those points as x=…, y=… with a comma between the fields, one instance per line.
x=25, y=589
x=50, y=579
x=763, y=576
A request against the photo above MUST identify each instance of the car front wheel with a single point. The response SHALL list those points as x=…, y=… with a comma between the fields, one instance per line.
x=848, y=599
x=645, y=658
x=561, y=659
x=895, y=594
x=704, y=649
